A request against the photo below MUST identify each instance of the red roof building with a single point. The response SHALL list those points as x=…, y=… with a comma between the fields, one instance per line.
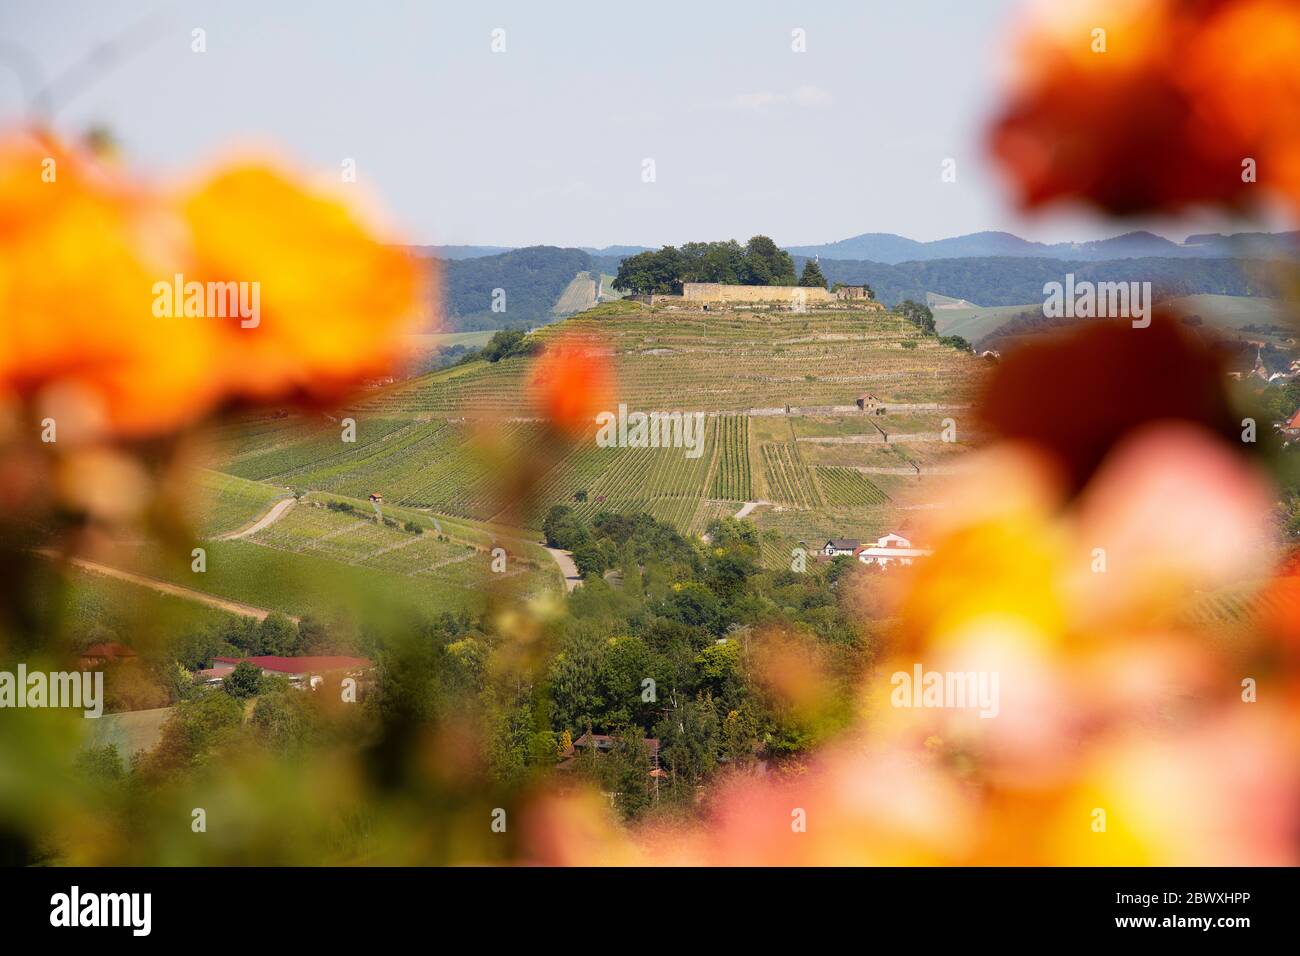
x=301, y=671
x=107, y=653
x=300, y=665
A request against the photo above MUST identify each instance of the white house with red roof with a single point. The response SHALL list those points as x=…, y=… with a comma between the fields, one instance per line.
x=890, y=549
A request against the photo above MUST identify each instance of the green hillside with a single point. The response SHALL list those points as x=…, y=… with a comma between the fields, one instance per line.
x=777, y=389
x=1235, y=314
x=973, y=323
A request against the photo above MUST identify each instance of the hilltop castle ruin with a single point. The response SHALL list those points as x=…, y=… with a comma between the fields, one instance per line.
x=788, y=295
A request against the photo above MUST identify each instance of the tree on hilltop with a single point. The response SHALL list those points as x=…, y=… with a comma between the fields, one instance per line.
x=651, y=273
x=713, y=262
x=812, y=277
x=662, y=272
x=918, y=314
x=767, y=264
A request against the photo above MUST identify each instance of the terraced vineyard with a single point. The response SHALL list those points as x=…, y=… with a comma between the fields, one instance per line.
x=844, y=486
x=1278, y=600
x=422, y=464
x=731, y=476
x=728, y=361
x=358, y=539
x=284, y=448
x=415, y=441
x=708, y=511
x=629, y=479
x=788, y=479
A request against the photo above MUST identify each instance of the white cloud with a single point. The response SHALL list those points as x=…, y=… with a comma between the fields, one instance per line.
x=804, y=97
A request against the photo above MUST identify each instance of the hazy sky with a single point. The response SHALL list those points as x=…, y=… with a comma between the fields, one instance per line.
x=545, y=142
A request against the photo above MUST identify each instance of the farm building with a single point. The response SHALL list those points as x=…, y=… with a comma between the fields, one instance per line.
x=377, y=498
x=890, y=549
x=301, y=671
x=870, y=404
x=1292, y=428
x=603, y=744
x=97, y=655
x=838, y=546
x=852, y=293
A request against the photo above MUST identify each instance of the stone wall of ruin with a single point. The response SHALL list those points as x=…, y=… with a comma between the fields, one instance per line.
x=783, y=294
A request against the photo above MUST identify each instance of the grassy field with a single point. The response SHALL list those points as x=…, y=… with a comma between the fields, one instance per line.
x=1231, y=313
x=607, y=290
x=1255, y=319
x=224, y=503
x=130, y=732
x=974, y=323
x=427, y=341
x=310, y=582
x=578, y=295
x=94, y=604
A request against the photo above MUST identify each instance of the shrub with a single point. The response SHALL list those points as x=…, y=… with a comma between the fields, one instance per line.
x=244, y=681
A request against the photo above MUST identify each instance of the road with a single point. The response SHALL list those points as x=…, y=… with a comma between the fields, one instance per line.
x=175, y=590
x=570, y=570
x=271, y=517
x=750, y=506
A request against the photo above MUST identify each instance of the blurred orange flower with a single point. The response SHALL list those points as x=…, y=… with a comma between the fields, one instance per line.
x=86, y=255
x=572, y=382
x=333, y=300
x=1155, y=104
x=76, y=331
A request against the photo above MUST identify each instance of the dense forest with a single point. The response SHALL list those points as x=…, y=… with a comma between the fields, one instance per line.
x=1011, y=280
x=530, y=279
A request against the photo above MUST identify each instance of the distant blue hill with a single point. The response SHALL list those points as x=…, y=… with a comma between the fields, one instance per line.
x=892, y=249
x=456, y=253
x=889, y=248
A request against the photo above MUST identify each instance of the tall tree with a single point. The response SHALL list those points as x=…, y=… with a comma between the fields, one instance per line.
x=767, y=264
x=918, y=314
x=812, y=277
x=658, y=272
x=689, y=738
x=277, y=635
x=631, y=772
x=244, y=681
